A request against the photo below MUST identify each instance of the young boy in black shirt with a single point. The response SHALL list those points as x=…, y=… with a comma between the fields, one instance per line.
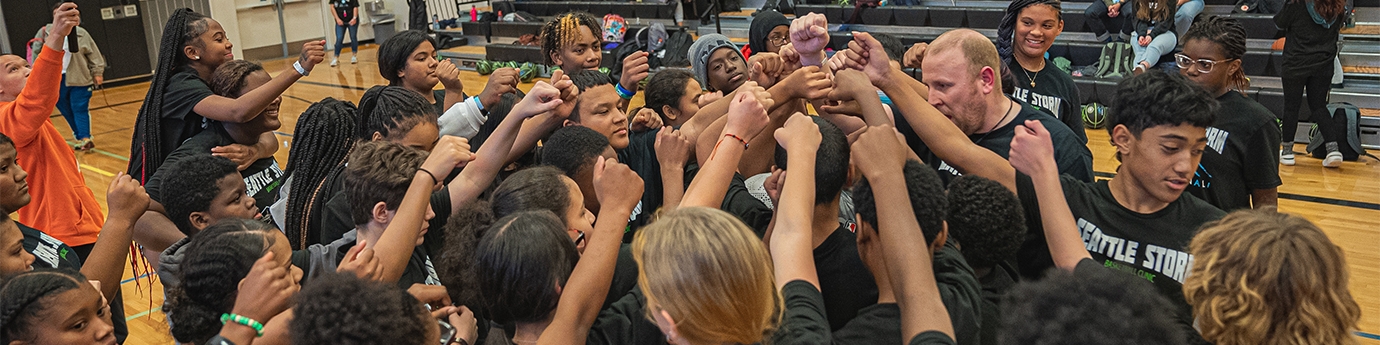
x=958, y=287
x=201, y=190
x=1240, y=168
x=1139, y=221
x=988, y=223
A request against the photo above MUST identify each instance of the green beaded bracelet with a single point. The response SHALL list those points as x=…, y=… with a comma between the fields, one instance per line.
x=248, y=322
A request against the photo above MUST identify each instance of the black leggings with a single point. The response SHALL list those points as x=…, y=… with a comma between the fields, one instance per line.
x=1318, y=87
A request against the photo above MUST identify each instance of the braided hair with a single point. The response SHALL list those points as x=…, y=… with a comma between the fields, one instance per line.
x=565, y=29
x=1006, y=30
x=25, y=295
x=184, y=28
x=389, y=110
x=229, y=79
x=217, y=259
x=317, y=158
x=1230, y=36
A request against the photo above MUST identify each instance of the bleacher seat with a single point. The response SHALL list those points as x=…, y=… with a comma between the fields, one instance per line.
x=984, y=18
x=1260, y=26
x=911, y=16
x=1256, y=63
x=947, y=17
x=878, y=16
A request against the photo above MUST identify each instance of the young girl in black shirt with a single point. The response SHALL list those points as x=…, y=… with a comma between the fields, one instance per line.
x=1024, y=36
x=346, y=14
x=1311, y=30
x=179, y=101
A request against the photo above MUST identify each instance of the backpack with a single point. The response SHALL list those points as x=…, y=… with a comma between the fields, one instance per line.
x=1349, y=116
x=1115, y=60
x=677, y=49
x=614, y=28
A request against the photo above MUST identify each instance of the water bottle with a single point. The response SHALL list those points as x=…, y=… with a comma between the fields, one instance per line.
x=474, y=14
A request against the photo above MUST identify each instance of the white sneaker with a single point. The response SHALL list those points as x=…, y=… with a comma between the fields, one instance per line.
x=1286, y=157
x=1333, y=160
x=353, y=59
x=334, y=62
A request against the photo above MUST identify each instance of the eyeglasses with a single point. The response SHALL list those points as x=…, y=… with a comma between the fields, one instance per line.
x=1202, y=65
x=778, y=40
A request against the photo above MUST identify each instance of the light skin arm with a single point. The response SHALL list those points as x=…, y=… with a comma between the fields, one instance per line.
x=1261, y=198
x=619, y=189
x=394, y=247
x=1032, y=153
x=106, y=262
x=672, y=151
x=792, y=249
x=881, y=158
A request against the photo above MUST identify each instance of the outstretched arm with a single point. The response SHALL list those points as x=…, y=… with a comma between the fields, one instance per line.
x=107, y=259
x=249, y=105
x=745, y=121
x=493, y=156
x=791, y=243
x=395, y=246
x=1032, y=152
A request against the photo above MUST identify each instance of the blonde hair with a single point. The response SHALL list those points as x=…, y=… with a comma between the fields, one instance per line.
x=710, y=273
x=1261, y=277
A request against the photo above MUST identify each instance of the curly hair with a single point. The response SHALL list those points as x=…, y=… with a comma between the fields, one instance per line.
x=680, y=265
x=1087, y=307
x=190, y=186
x=379, y=171
x=573, y=149
x=986, y=219
x=927, y=200
x=831, y=161
x=564, y=29
x=26, y=295
x=341, y=309
x=391, y=111
x=184, y=28
x=216, y=260
x=1262, y=277
x=229, y=79
x=1160, y=99
x=1229, y=35
x=315, y=162
x=394, y=52
x=533, y=189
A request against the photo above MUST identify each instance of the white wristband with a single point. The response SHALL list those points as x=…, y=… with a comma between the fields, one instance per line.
x=298, y=66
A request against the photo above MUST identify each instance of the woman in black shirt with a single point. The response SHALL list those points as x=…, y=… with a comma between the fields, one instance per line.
x=1311, y=29
x=1024, y=36
x=346, y=13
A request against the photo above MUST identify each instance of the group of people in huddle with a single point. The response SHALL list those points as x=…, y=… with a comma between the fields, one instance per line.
x=949, y=209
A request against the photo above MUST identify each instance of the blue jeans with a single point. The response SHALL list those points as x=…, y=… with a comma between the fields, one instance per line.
x=1183, y=18
x=354, y=42
x=74, y=102
x=1160, y=45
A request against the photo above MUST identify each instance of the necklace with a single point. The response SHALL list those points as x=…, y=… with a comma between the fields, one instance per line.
x=1037, y=73
x=1009, y=104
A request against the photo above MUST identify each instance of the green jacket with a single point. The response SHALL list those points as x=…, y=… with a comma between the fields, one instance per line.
x=86, y=65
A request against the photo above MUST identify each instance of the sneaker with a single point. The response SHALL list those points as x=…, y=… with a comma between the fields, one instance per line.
x=1333, y=160
x=334, y=62
x=354, y=59
x=1286, y=157
x=84, y=145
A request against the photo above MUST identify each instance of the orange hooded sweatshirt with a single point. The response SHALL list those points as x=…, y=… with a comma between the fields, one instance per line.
x=63, y=206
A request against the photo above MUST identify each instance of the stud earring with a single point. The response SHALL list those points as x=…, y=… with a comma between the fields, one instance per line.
x=196, y=58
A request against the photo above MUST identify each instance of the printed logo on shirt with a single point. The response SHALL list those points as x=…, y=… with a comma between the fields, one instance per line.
x=1153, y=261
x=1202, y=178
x=945, y=167
x=48, y=251
x=1042, y=102
x=267, y=179
x=1217, y=139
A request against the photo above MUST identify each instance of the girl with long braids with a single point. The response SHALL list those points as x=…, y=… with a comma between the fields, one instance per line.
x=1311, y=30
x=323, y=140
x=179, y=100
x=1240, y=172
x=1026, y=32
x=1153, y=32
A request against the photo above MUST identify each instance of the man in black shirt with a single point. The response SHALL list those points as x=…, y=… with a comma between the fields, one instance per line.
x=1139, y=221
x=1240, y=169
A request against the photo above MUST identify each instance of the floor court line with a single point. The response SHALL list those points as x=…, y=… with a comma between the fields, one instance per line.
x=1297, y=197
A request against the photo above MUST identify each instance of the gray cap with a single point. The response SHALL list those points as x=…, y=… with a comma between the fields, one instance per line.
x=700, y=51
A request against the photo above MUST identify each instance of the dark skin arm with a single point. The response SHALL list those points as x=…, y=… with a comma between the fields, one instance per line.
x=1260, y=198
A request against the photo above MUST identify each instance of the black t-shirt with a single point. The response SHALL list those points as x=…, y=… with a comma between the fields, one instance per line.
x=958, y=289
x=1070, y=152
x=1308, y=46
x=739, y=202
x=1052, y=92
x=625, y=322
x=640, y=156
x=345, y=9
x=994, y=286
x=1152, y=246
x=261, y=180
x=336, y=219
x=845, y=282
x=931, y=338
x=179, y=120
x=48, y=252
x=804, y=320
x=1241, y=154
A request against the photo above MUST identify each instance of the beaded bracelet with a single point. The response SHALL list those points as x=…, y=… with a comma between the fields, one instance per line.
x=241, y=320
x=740, y=139
x=624, y=93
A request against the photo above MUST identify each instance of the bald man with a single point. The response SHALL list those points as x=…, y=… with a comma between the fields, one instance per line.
x=963, y=75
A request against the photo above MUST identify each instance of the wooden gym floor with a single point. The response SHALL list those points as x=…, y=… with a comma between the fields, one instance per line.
x=1345, y=202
